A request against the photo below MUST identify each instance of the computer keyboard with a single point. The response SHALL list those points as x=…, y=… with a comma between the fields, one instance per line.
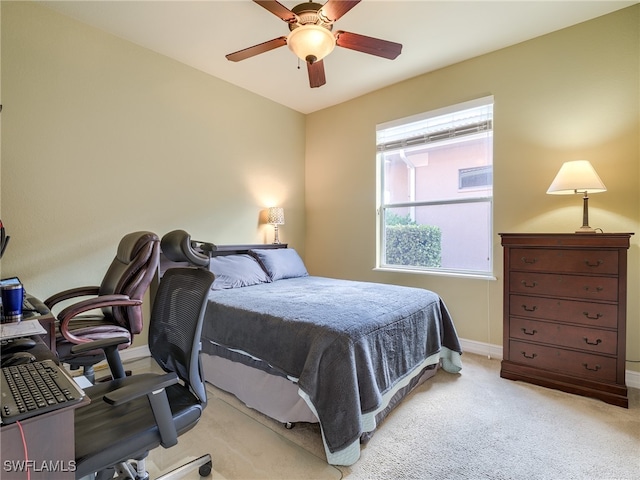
x=34, y=388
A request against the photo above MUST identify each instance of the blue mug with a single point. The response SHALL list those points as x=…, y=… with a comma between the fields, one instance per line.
x=12, y=298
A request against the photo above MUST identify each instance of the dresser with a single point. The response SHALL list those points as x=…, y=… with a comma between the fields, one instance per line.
x=565, y=302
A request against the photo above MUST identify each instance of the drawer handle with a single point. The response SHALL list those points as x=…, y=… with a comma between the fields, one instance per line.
x=597, y=342
x=597, y=264
x=533, y=355
x=529, y=309
x=597, y=289
x=530, y=262
x=590, y=317
x=533, y=332
x=586, y=366
x=530, y=285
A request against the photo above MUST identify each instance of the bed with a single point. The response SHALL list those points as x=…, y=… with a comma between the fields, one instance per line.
x=302, y=348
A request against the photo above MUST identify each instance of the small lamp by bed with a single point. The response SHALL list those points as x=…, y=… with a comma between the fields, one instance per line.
x=575, y=177
x=275, y=217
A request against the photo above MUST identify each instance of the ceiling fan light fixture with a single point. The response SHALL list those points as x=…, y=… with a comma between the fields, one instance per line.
x=311, y=43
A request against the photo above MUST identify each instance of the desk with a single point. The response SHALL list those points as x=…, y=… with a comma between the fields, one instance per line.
x=50, y=442
x=49, y=438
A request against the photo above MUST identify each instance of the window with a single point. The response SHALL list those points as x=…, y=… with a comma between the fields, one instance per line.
x=435, y=190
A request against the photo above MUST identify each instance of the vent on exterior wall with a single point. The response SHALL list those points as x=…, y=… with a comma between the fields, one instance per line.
x=475, y=177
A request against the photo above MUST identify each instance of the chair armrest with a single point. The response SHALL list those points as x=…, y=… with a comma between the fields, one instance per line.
x=114, y=300
x=71, y=293
x=66, y=315
x=110, y=348
x=98, y=344
x=153, y=386
x=145, y=384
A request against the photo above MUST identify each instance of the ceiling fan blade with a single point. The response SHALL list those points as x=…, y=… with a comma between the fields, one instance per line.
x=257, y=49
x=334, y=9
x=278, y=10
x=370, y=45
x=316, y=74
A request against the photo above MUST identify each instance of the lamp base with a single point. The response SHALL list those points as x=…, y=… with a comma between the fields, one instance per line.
x=585, y=228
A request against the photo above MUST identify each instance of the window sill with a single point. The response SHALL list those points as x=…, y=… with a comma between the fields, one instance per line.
x=473, y=276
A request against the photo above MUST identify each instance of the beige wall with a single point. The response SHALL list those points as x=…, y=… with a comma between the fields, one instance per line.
x=102, y=137
x=569, y=95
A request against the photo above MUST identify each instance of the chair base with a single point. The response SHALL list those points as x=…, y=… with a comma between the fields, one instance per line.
x=137, y=470
x=203, y=463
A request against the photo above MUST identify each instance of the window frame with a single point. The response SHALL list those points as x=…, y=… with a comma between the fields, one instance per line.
x=382, y=207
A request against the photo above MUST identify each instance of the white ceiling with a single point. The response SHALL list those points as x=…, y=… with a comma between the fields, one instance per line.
x=434, y=34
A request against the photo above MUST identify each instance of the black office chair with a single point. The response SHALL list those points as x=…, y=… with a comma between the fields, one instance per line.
x=117, y=302
x=130, y=415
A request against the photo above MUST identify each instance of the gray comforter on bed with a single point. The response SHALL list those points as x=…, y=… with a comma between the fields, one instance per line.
x=346, y=342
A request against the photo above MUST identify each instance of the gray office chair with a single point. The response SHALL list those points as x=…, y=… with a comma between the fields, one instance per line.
x=131, y=415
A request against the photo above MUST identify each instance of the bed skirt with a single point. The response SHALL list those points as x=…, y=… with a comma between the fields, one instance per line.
x=272, y=395
x=280, y=398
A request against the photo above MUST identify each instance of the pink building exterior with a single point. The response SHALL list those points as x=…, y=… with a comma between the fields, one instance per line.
x=447, y=173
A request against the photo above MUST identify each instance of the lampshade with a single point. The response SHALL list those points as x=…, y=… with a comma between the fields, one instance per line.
x=275, y=216
x=577, y=176
x=311, y=43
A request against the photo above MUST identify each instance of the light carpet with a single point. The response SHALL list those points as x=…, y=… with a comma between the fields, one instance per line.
x=474, y=425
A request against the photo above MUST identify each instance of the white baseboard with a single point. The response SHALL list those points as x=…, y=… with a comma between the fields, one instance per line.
x=632, y=378
x=480, y=348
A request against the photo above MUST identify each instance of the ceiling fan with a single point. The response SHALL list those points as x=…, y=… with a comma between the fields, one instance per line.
x=311, y=39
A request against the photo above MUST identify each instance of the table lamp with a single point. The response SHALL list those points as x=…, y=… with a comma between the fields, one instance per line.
x=275, y=217
x=575, y=177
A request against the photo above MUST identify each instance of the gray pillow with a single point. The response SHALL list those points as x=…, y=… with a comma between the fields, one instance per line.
x=233, y=271
x=280, y=263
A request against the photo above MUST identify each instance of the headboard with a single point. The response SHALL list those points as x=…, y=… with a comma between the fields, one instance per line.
x=219, y=250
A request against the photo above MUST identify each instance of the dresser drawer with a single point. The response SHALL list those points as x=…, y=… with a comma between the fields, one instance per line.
x=572, y=311
x=591, y=339
x=583, y=365
x=575, y=286
x=597, y=262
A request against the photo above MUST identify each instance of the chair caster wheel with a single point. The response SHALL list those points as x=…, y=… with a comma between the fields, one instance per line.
x=289, y=425
x=205, y=470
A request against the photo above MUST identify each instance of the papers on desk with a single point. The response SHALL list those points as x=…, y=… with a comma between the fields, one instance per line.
x=25, y=328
